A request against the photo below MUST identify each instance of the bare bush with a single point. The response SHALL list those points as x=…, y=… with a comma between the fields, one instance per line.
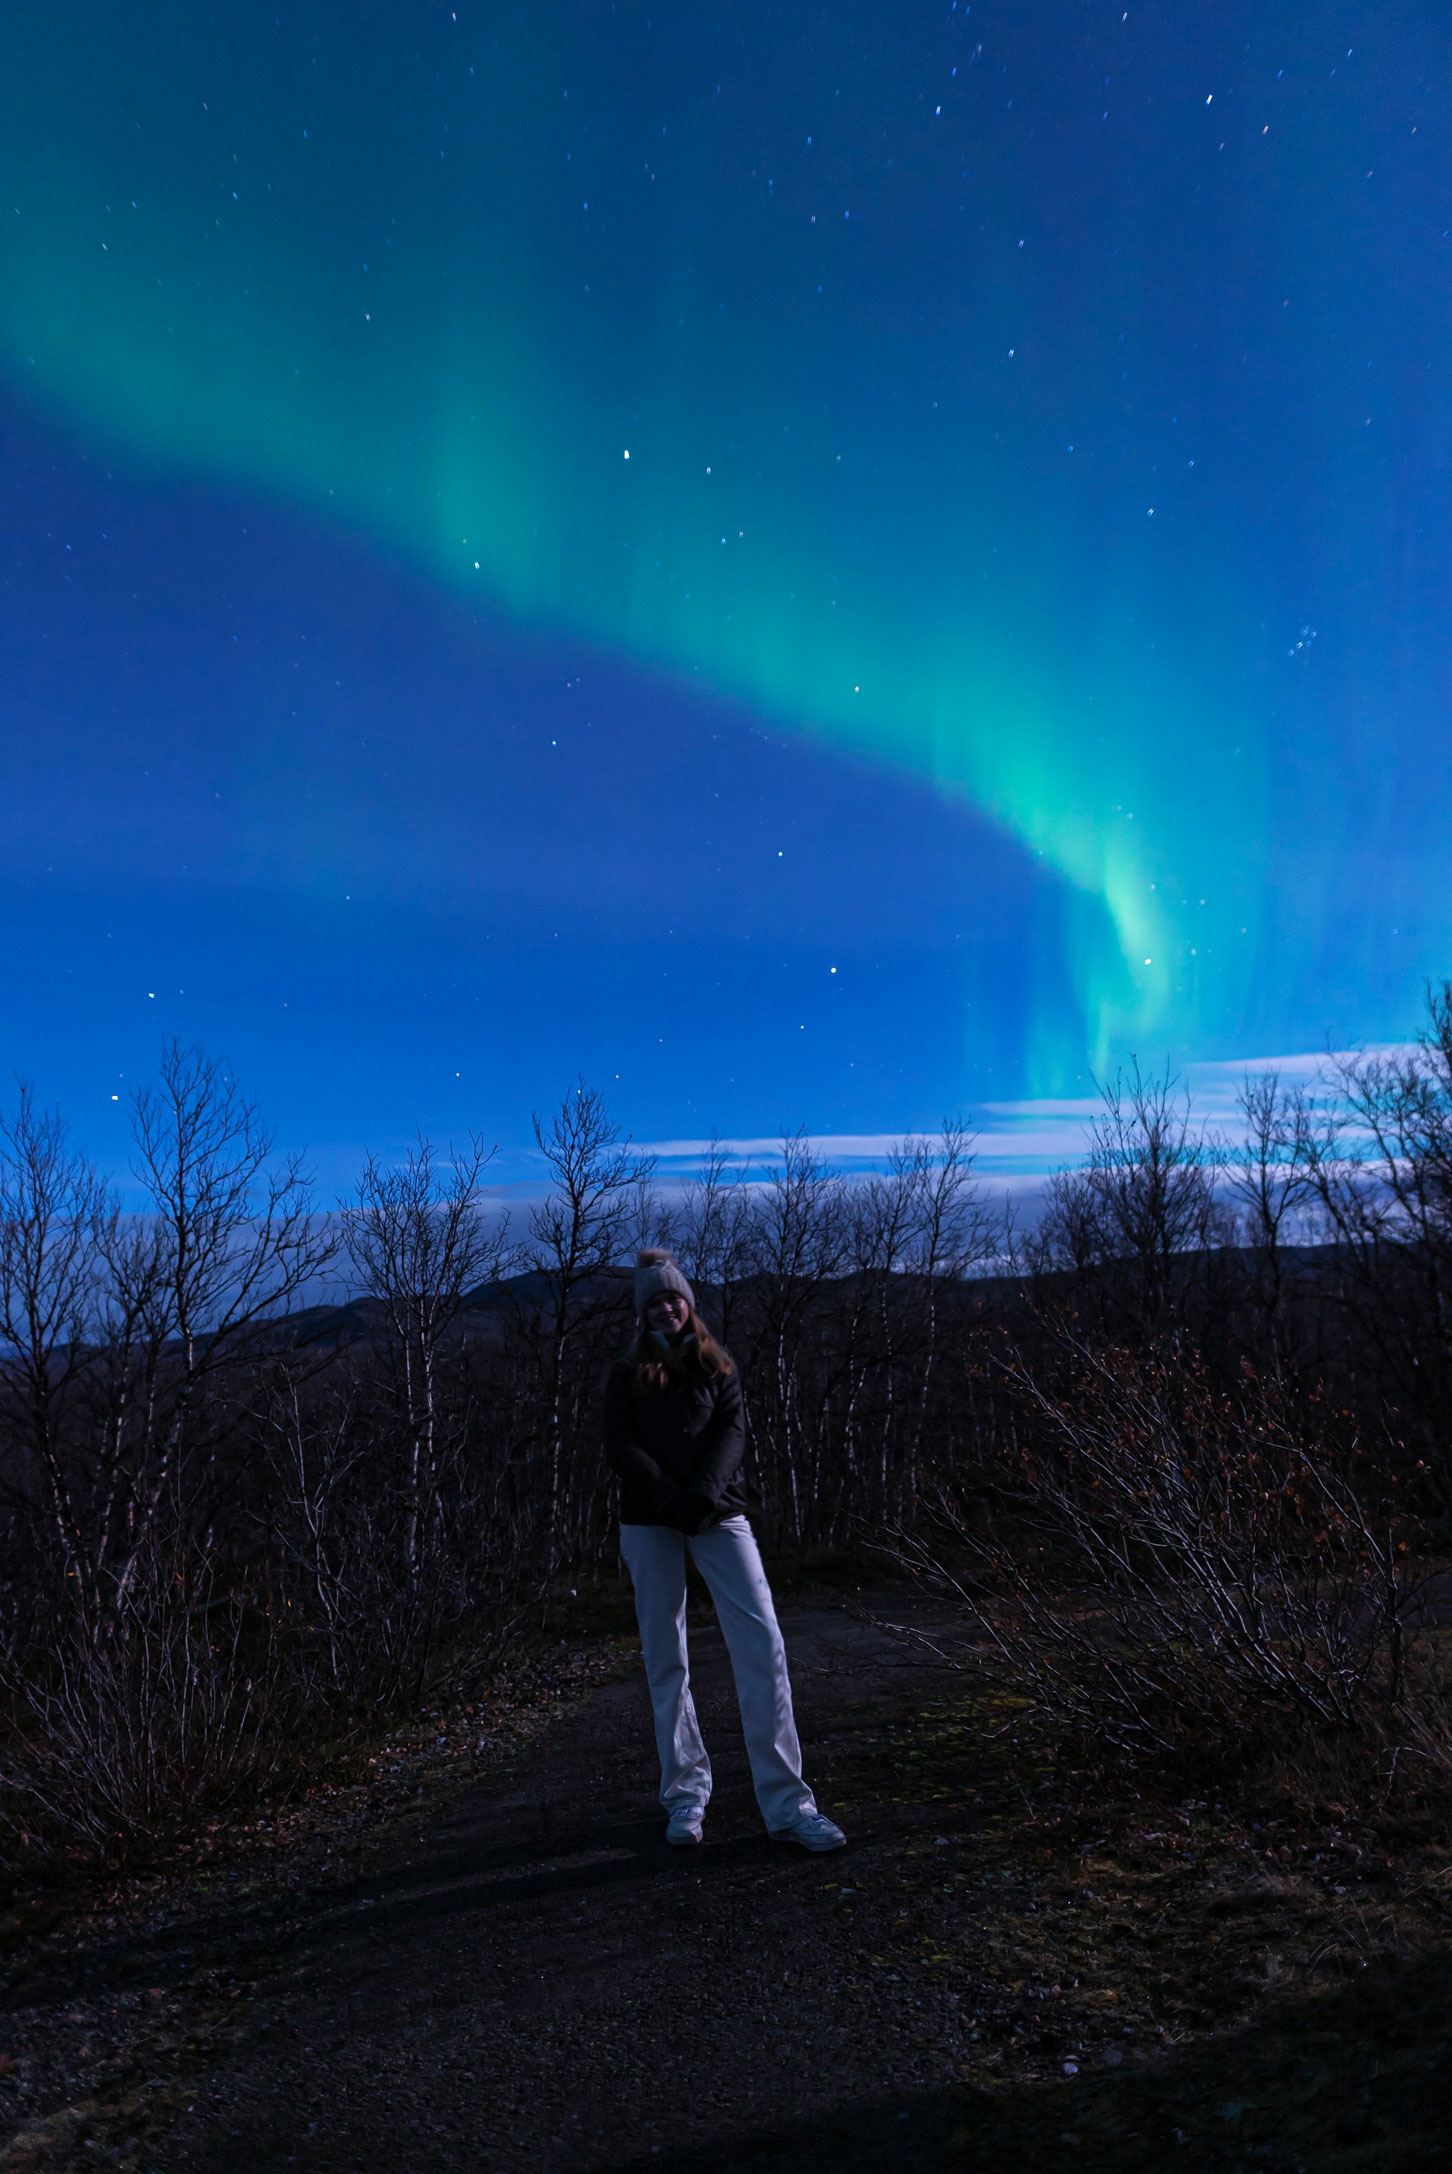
x=187, y=1707
x=1177, y=1573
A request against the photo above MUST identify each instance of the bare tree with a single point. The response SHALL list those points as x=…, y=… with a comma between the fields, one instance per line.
x=418, y=1244
x=121, y=1330
x=714, y=1231
x=56, y=1218
x=321, y=1546
x=952, y=1236
x=198, y=1286
x=1270, y=1179
x=1140, y=1214
x=879, y=1217
x=574, y=1237
x=141, y=1335
x=237, y=1237
x=798, y=1246
x=1381, y=1164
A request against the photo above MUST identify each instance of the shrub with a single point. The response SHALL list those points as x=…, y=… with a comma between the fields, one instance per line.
x=1176, y=1574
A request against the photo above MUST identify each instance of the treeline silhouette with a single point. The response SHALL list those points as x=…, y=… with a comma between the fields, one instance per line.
x=233, y=1519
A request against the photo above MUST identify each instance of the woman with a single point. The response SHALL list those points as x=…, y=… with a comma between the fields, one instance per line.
x=674, y=1436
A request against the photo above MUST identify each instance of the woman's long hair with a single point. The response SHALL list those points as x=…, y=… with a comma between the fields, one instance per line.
x=651, y=1367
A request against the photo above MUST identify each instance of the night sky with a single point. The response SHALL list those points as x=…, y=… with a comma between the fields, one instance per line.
x=814, y=565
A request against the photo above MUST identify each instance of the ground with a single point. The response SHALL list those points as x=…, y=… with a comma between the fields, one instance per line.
x=515, y=1972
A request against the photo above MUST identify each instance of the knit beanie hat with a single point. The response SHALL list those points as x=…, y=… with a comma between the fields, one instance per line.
x=656, y=1271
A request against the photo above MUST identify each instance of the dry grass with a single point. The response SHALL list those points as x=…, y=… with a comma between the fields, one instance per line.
x=1256, y=1981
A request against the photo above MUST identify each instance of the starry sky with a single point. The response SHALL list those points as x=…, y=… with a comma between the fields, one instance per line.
x=807, y=564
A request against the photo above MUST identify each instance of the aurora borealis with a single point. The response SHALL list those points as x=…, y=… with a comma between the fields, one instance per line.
x=930, y=522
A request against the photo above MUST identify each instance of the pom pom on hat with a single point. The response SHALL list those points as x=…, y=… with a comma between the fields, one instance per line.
x=656, y=1271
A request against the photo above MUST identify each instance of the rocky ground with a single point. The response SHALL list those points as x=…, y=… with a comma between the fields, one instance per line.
x=514, y=1972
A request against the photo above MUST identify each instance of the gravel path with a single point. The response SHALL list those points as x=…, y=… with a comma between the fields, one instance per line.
x=514, y=1972
x=531, y=1979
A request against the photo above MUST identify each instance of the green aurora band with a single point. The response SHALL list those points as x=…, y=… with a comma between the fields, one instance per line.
x=532, y=303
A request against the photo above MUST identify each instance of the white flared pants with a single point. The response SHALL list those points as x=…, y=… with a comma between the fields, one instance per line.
x=728, y=1560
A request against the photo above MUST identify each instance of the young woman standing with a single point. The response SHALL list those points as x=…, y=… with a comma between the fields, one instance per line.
x=674, y=1437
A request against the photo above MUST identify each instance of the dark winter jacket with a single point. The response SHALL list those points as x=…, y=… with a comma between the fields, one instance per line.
x=686, y=1439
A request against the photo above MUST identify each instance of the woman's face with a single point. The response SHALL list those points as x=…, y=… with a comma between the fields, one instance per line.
x=668, y=1312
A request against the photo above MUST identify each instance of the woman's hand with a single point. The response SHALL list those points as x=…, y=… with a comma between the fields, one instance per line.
x=686, y=1512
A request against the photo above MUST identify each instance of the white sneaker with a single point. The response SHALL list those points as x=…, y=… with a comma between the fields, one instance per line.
x=812, y=1831
x=685, y=1825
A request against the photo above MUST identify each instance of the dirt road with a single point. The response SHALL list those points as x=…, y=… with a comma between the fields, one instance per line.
x=524, y=1976
x=531, y=1979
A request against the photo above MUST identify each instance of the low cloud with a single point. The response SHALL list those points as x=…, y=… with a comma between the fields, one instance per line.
x=1016, y=1144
